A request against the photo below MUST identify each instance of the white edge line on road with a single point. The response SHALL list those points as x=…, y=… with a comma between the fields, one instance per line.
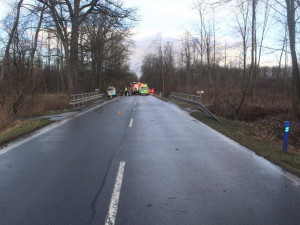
x=288, y=175
x=113, y=206
x=46, y=129
x=130, y=124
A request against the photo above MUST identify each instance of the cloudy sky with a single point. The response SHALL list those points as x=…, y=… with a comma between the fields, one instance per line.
x=170, y=18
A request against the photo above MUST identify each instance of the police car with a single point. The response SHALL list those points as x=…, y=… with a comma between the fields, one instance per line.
x=111, y=92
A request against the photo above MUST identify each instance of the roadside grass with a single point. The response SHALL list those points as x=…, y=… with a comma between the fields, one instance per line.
x=12, y=128
x=53, y=112
x=21, y=127
x=245, y=134
x=42, y=104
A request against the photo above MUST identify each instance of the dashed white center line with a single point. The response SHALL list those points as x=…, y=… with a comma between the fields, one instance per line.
x=130, y=124
x=113, y=207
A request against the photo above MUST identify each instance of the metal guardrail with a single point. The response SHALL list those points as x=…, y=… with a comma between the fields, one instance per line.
x=84, y=98
x=194, y=100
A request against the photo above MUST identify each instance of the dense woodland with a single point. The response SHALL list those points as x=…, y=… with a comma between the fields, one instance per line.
x=64, y=46
x=233, y=75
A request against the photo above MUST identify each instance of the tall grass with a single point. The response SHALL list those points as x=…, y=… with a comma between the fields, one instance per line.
x=32, y=106
x=42, y=103
x=4, y=118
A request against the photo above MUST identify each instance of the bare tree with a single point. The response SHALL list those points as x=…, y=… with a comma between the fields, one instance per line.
x=29, y=83
x=6, y=57
x=67, y=14
x=257, y=61
x=243, y=29
x=106, y=41
x=169, y=63
x=279, y=66
x=253, y=47
x=291, y=23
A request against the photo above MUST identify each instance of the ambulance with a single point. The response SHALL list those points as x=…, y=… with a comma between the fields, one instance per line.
x=144, y=89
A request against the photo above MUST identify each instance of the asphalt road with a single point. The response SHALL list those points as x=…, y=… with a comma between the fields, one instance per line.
x=150, y=164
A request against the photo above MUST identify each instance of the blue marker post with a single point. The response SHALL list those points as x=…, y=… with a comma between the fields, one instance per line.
x=286, y=135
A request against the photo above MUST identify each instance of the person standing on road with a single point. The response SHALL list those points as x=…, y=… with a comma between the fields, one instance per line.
x=125, y=91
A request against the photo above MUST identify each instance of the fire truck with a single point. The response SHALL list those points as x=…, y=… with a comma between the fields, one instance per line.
x=135, y=88
x=138, y=88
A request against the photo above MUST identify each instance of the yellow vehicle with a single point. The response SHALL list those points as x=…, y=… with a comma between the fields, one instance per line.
x=144, y=90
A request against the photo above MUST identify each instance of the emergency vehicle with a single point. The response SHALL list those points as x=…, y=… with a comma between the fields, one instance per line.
x=135, y=88
x=144, y=89
x=152, y=92
x=111, y=92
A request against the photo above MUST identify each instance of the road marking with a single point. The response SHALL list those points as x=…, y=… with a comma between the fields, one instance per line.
x=113, y=207
x=46, y=129
x=130, y=124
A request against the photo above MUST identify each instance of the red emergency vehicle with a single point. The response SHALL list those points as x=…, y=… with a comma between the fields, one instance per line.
x=152, y=91
x=135, y=88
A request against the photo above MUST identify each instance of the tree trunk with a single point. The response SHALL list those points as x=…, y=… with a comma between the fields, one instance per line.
x=68, y=68
x=11, y=35
x=285, y=73
x=255, y=70
x=252, y=57
x=74, y=47
x=278, y=71
x=295, y=70
x=244, y=62
x=29, y=80
x=30, y=73
x=278, y=75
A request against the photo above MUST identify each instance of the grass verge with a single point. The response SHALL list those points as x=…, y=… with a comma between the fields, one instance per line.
x=54, y=112
x=22, y=127
x=245, y=134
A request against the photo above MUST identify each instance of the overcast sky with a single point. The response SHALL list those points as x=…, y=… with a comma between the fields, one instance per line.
x=170, y=18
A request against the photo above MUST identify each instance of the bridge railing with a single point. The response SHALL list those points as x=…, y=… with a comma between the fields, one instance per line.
x=194, y=100
x=85, y=98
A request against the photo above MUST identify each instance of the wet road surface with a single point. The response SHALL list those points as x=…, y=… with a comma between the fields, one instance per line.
x=139, y=160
